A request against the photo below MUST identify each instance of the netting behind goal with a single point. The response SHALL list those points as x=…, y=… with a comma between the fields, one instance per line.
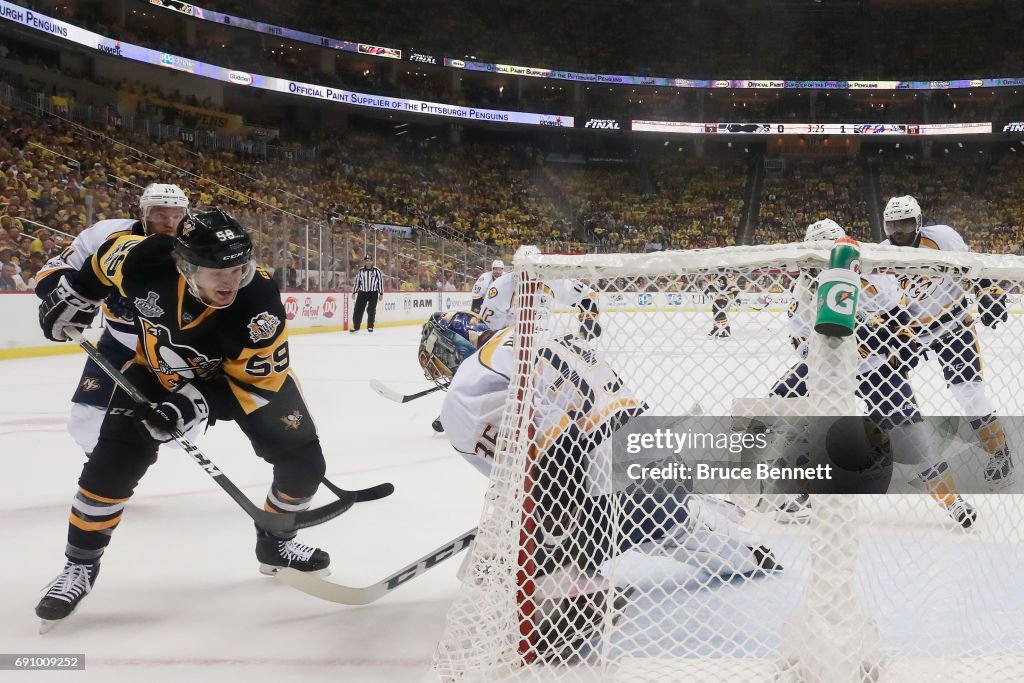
x=589, y=567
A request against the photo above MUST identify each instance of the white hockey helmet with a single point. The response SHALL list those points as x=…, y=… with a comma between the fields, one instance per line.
x=900, y=208
x=824, y=230
x=162, y=194
x=497, y=263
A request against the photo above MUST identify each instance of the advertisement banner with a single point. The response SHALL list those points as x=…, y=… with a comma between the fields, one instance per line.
x=400, y=230
x=424, y=58
x=628, y=302
x=194, y=117
x=454, y=301
x=603, y=124
x=716, y=128
x=94, y=41
x=583, y=77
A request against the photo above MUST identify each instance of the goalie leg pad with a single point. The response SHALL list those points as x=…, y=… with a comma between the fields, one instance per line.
x=960, y=356
x=973, y=399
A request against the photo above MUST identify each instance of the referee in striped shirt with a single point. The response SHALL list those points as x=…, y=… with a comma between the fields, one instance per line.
x=369, y=289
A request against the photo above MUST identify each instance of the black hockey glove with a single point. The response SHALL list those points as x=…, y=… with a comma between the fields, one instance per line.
x=120, y=307
x=185, y=410
x=65, y=308
x=992, y=306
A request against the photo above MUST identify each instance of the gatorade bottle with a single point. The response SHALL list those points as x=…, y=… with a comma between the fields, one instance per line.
x=838, y=289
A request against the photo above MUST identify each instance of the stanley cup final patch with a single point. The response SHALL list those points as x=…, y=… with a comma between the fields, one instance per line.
x=148, y=306
x=263, y=326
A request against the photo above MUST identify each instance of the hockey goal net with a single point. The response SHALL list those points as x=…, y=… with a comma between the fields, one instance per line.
x=588, y=567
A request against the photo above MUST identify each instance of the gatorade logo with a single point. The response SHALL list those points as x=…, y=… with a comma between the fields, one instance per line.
x=840, y=299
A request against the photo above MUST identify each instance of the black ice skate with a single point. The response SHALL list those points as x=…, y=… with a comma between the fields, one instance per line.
x=999, y=470
x=436, y=425
x=66, y=591
x=962, y=512
x=275, y=553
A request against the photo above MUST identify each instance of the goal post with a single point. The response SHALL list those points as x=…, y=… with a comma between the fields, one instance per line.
x=664, y=502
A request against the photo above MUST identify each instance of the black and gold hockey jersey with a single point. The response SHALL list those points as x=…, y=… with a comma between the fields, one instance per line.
x=179, y=337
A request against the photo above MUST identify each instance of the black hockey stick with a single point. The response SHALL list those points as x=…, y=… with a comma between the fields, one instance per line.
x=277, y=522
x=318, y=587
x=393, y=395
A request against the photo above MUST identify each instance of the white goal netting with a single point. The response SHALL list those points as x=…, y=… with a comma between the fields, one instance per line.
x=601, y=554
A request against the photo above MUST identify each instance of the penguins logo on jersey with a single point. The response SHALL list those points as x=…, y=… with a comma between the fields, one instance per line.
x=174, y=364
x=187, y=227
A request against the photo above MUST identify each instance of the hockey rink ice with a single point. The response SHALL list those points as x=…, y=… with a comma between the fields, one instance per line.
x=180, y=597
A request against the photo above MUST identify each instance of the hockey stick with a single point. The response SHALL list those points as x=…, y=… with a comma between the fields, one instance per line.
x=393, y=395
x=314, y=585
x=277, y=522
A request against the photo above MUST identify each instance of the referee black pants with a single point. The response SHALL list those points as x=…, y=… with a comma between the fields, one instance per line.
x=365, y=301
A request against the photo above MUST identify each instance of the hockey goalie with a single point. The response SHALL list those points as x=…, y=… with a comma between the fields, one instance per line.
x=581, y=518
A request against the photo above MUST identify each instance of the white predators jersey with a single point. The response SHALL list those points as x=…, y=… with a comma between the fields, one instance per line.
x=878, y=293
x=482, y=283
x=936, y=304
x=572, y=385
x=78, y=254
x=498, y=310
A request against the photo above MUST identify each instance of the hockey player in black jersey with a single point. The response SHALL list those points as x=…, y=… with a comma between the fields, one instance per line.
x=724, y=291
x=212, y=345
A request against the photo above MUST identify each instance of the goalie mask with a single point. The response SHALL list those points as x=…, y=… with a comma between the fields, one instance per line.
x=448, y=339
x=902, y=217
x=214, y=255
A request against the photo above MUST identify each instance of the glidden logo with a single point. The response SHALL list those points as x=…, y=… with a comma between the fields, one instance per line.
x=291, y=307
x=330, y=306
x=240, y=77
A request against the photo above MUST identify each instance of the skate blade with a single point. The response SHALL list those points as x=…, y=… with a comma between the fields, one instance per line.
x=270, y=570
x=47, y=625
x=995, y=485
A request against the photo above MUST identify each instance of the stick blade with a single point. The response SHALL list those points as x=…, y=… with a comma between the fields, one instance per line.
x=319, y=587
x=385, y=392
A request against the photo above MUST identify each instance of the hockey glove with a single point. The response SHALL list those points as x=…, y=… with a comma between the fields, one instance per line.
x=589, y=329
x=186, y=411
x=65, y=308
x=120, y=307
x=992, y=306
